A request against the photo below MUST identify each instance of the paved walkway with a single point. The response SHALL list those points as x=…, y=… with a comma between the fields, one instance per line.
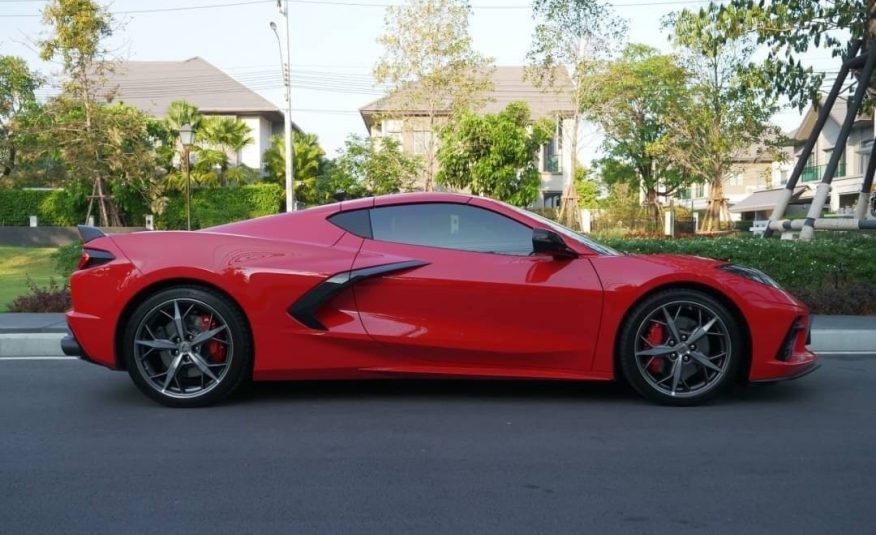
x=39, y=334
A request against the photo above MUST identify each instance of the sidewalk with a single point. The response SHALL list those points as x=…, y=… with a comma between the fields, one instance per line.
x=23, y=335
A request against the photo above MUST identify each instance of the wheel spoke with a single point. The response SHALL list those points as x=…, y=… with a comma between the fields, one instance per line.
x=171, y=372
x=201, y=365
x=178, y=321
x=701, y=331
x=676, y=375
x=156, y=344
x=704, y=361
x=203, y=336
x=670, y=322
x=656, y=350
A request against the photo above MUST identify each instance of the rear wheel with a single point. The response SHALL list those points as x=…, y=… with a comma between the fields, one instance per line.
x=187, y=347
x=680, y=347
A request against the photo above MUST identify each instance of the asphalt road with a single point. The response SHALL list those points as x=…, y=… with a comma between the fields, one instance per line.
x=81, y=451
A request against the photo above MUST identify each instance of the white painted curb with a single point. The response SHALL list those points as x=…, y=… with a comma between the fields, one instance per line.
x=843, y=341
x=30, y=344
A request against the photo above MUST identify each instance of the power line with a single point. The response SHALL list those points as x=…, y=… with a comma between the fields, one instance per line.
x=341, y=3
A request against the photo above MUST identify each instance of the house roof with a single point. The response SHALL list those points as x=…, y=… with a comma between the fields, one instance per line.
x=767, y=199
x=510, y=84
x=151, y=86
x=837, y=114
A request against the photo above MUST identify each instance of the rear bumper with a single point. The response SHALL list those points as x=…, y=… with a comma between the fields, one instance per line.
x=71, y=347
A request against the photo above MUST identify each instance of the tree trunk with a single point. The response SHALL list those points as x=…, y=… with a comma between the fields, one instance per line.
x=717, y=212
x=652, y=207
x=570, y=214
x=430, y=153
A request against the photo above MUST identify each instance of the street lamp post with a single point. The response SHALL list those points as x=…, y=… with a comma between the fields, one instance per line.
x=187, y=139
x=286, y=67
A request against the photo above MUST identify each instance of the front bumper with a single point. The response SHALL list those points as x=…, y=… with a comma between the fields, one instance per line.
x=798, y=373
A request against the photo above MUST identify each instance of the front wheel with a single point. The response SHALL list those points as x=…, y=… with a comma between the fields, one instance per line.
x=680, y=347
x=187, y=347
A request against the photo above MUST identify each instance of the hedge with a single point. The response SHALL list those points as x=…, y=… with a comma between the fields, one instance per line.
x=52, y=207
x=832, y=262
x=216, y=206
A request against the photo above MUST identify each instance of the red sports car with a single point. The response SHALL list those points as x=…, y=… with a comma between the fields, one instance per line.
x=422, y=285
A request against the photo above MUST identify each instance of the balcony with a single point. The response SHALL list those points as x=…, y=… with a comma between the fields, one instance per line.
x=814, y=173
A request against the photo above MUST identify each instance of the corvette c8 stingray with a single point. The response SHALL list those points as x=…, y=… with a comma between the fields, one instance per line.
x=422, y=285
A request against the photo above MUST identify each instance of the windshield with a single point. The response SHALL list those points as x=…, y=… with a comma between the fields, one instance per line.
x=567, y=232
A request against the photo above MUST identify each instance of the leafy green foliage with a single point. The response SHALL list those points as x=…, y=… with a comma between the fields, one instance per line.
x=52, y=208
x=17, y=86
x=793, y=264
x=308, y=165
x=216, y=206
x=788, y=30
x=634, y=99
x=370, y=167
x=726, y=114
x=67, y=258
x=494, y=154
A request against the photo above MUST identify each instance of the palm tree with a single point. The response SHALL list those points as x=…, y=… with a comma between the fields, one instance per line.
x=226, y=135
x=307, y=163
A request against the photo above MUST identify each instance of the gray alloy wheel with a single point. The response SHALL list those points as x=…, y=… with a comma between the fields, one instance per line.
x=680, y=347
x=187, y=346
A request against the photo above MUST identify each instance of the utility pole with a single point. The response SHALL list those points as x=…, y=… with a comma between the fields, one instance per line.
x=286, y=66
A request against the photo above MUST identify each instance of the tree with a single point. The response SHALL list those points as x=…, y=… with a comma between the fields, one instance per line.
x=634, y=100
x=494, y=154
x=308, y=160
x=373, y=167
x=572, y=35
x=789, y=29
x=728, y=114
x=219, y=138
x=78, y=28
x=430, y=65
x=17, y=86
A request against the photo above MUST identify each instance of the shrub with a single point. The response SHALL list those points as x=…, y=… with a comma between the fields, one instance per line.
x=52, y=207
x=850, y=299
x=52, y=298
x=216, y=206
x=835, y=262
x=67, y=258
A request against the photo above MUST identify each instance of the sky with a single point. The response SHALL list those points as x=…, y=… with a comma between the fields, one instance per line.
x=334, y=47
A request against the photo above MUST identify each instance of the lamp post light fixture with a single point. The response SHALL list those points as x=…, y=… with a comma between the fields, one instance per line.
x=286, y=68
x=187, y=139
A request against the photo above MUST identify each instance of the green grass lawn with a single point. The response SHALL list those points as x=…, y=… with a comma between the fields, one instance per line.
x=17, y=263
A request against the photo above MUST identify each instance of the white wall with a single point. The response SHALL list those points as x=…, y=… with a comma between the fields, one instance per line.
x=260, y=130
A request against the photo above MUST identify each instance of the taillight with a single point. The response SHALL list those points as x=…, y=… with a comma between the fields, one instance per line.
x=94, y=257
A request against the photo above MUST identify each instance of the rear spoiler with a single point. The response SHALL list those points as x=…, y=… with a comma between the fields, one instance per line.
x=89, y=233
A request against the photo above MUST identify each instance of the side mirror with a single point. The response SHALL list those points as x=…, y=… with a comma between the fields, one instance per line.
x=549, y=242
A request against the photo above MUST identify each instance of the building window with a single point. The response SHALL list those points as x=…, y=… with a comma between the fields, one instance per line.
x=392, y=128
x=422, y=140
x=552, y=152
x=864, y=154
x=699, y=191
x=735, y=180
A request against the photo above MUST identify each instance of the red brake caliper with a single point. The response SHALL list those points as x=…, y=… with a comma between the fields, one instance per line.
x=215, y=349
x=655, y=337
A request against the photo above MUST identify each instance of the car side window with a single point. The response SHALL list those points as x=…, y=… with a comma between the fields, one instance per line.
x=451, y=226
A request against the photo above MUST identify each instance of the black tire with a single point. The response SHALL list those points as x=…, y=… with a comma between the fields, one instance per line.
x=654, y=375
x=144, y=363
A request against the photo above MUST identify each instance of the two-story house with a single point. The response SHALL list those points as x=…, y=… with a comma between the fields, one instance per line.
x=752, y=171
x=151, y=86
x=408, y=126
x=846, y=184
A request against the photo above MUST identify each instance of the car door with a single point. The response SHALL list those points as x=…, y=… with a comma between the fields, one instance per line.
x=473, y=296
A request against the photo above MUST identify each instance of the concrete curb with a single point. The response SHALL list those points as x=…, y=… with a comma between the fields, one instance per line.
x=30, y=344
x=834, y=342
